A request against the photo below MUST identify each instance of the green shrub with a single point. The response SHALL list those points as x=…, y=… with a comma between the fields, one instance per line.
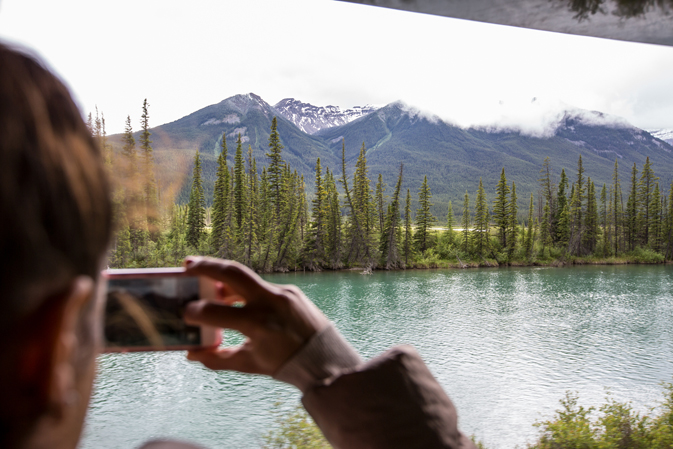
x=294, y=429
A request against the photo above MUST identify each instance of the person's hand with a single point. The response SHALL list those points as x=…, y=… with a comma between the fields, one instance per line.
x=276, y=319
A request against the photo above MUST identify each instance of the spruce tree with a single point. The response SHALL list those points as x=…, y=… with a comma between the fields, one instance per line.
x=424, y=218
x=631, y=216
x=450, y=237
x=654, y=222
x=644, y=196
x=562, y=231
x=275, y=168
x=239, y=185
x=547, y=187
x=220, y=201
x=389, y=243
x=465, y=223
x=528, y=243
x=150, y=184
x=513, y=221
x=617, y=207
x=501, y=209
x=317, y=243
x=408, y=231
x=380, y=189
x=196, y=216
x=605, y=247
x=481, y=216
x=590, y=237
x=359, y=248
x=334, y=238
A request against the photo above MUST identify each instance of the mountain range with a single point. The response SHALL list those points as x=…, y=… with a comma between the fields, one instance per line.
x=451, y=157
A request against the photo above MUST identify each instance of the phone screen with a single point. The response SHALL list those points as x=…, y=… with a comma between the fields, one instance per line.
x=148, y=312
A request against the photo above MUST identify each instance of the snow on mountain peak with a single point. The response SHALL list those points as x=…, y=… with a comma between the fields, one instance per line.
x=311, y=119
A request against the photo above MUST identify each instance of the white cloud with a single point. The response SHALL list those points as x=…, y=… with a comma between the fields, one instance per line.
x=183, y=58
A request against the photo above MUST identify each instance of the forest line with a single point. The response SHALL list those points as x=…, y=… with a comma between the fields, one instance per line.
x=264, y=219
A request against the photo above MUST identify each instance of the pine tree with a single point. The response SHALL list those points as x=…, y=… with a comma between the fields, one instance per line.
x=654, y=222
x=450, y=237
x=631, y=216
x=617, y=207
x=150, y=184
x=513, y=221
x=562, y=230
x=590, y=237
x=239, y=185
x=644, y=198
x=380, y=203
x=528, y=243
x=250, y=219
x=361, y=191
x=220, y=202
x=465, y=223
x=545, y=233
x=481, y=216
x=547, y=187
x=134, y=209
x=424, y=218
x=668, y=228
x=317, y=243
x=359, y=248
x=275, y=168
x=605, y=248
x=389, y=243
x=501, y=209
x=196, y=217
x=408, y=231
x=334, y=240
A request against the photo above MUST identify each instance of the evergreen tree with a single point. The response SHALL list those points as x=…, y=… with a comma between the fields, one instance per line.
x=359, y=248
x=562, y=230
x=275, y=168
x=196, y=217
x=424, y=218
x=150, y=184
x=668, y=228
x=389, y=243
x=481, y=216
x=528, y=242
x=644, y=199
x=134, y=210
x=250, y=219
x=450, y=237
x=605, y=247
x=617, y=207
x=361, y=191
x=318, y=232
x=220, y=202
x=408, y=232
x=545, y=224
x=465, y=223
x=590, y=237
x=334, y=240
x=501, y=209
x=655, y=219
x=380, y=189
x=239, y=185
x=513, y=221
x=631, y=216
x=547, y=187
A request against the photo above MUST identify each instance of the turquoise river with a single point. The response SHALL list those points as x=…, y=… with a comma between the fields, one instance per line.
x=505, y=344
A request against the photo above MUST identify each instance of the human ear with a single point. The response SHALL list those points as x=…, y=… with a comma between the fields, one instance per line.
x=61, y=385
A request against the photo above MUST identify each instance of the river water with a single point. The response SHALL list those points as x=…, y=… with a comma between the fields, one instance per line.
x=505, y=344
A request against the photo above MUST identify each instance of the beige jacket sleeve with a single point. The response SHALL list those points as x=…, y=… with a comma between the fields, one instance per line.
x=392, y=401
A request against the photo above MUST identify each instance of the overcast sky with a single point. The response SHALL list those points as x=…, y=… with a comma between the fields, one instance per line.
x=185, y=55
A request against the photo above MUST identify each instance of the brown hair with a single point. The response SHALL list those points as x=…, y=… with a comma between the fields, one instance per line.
x=55, y=210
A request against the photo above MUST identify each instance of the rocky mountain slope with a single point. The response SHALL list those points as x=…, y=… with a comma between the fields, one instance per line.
x=312, y=119
x=452, y=158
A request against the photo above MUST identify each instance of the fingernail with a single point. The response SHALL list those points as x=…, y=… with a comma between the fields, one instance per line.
x=189, y=261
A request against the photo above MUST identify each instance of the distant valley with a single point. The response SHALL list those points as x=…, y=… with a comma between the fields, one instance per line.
x=452, y=158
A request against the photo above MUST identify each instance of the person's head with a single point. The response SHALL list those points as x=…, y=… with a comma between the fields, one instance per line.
x=55, y=225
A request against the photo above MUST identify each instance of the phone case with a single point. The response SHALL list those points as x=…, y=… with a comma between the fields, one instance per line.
x=211, y=337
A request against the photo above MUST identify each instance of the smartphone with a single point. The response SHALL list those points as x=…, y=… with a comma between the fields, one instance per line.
x=145, y=310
